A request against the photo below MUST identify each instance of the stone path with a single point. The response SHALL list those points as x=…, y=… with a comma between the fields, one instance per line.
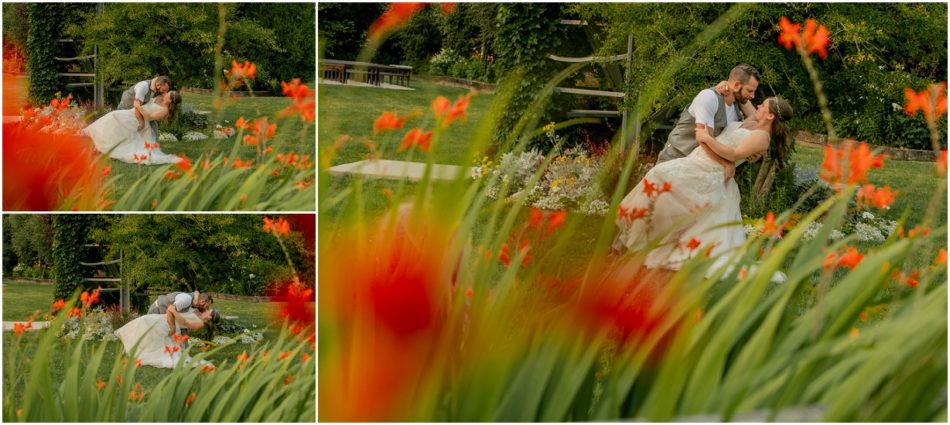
x=361, y=84
x=8, y=326
x=389, y=169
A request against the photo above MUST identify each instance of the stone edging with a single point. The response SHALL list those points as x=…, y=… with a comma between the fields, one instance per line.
x=805, y=138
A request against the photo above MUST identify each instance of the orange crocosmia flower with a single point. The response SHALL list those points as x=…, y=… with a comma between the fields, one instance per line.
x=556, y=219
x=243, y=71
x=503, y=255
x=191, y=398
x=850, y=259
x=883, y=197
x=769, y=228
x=816, y=38
x=458, y=109
x=441, y=107
x=395, y=17
x=941, y=257
x=283, y=355
x=19, y=328
x=241, y=358
x=184, y=164
x=106, y=171
x=830, y=167
x=791, y=33
x=860, y=160
x=304, y=102
x=241, y=164
x=447, y=8
x=242, y=124
x=172, y=175
x=75, y=311
x=469, y=293
x=622, y=213
x=58, y=305
x=388, y=121
x=207, y=368
x=416, y=137
x=138, y=362
x=649, y=188
x=100, y=384
x=288, y=379
x=693, y=244
x=932, y=101
x=917, y=231
x=304, y=357
x=538, y=215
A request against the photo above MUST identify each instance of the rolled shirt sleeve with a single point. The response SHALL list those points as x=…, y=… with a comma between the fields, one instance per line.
x=182, y=302
x=703, y=108
x=141, y=89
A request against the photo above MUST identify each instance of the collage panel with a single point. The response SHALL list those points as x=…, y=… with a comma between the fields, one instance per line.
x=159, y=318
x=159, y=107
x=633, y=211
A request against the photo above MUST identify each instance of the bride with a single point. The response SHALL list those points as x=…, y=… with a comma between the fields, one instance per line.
x=684, y=203
x=118, y=133
x=155, y=346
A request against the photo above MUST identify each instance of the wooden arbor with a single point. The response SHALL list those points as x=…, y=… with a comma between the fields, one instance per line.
x=109, y=272
x=616, y=77
x=92, y=79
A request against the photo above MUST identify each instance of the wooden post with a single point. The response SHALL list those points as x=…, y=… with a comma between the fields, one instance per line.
x=98, y=89
x=124, y=284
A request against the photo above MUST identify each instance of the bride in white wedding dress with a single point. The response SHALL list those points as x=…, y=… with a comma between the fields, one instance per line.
x=684, y=201
x=118, y=135
x=151, y=332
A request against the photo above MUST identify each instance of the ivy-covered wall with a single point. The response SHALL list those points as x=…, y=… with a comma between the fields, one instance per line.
x=69, y=235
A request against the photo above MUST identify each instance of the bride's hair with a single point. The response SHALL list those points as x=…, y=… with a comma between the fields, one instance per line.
x=781, y=130
x=173, y=103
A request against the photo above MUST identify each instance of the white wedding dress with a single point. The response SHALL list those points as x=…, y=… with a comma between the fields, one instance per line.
x=696, y=207
x=117, y=135
x=153, y=331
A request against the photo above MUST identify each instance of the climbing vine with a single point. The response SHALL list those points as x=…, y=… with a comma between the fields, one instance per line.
x=69, y=235
x=42, y=45
x=526, y=34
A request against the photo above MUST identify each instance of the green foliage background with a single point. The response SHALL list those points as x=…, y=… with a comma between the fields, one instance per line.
x=219, y=253
x=42, y=45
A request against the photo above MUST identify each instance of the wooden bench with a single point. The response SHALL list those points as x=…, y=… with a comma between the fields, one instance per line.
x=334, y=72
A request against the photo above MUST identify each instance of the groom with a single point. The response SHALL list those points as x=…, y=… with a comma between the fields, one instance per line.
x=710, y=111
x=141, y=93
x=180, y=302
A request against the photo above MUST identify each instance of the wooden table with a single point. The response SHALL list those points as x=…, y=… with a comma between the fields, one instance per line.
x=370, y=73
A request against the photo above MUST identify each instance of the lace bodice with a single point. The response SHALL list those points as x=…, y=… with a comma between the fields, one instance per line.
x=731, y=136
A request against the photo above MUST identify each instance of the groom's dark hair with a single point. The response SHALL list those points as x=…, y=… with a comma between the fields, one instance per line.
x=161, y=79
x=204, y=296
x=743, y=72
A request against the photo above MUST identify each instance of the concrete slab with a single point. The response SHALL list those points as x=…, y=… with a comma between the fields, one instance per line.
x=362, y=84
x=389, y=169
x=8, y=326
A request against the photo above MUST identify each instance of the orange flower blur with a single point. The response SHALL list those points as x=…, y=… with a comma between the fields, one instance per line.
x=931, y=102
x=815, y=37
x=304, y=104
x=279, y=227
x=388, y=121
x=416, y=137
x=394, y=18
x=860, y=159
x=241, y=72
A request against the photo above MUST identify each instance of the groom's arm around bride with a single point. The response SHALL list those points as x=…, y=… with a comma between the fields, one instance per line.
x=141, y=93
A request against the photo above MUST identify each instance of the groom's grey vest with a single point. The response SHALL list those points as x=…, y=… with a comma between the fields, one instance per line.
x=128, y=100
x=682, y=139
x=161, y=304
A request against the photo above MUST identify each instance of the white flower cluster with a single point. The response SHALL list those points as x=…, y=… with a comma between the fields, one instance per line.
x=812, y=230
x=218, y=340
x=569, y=182
x=166, y=137
x=249, y=337
x=96, y=325
x=193, y=136
x=595, y=207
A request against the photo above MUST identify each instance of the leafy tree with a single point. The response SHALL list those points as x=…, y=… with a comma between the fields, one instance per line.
x=30, y=238
x=224, y=253
x=342, y=27
x=291, y=25
x=70, y=234
x=139, y=41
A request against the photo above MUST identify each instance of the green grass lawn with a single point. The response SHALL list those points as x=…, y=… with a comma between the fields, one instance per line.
x=20, y=299
x=349, y=110
x=292, y=134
